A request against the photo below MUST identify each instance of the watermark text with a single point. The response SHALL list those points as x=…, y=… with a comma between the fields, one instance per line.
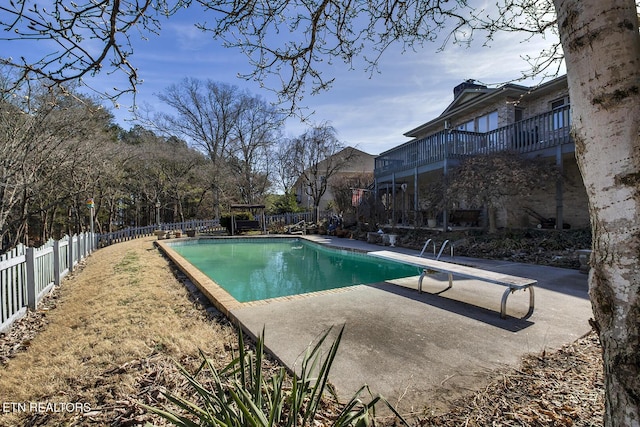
x=45, y=407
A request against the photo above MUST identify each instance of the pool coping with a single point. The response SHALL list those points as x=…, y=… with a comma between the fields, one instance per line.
x=222, y=300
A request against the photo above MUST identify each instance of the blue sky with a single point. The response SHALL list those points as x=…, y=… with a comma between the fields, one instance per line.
x=368, y=112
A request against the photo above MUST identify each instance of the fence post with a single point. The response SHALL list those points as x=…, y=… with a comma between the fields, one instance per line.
x=56, y=262
x=80, y=247
x=79, y=241
x=31, y=278
x=70, y=253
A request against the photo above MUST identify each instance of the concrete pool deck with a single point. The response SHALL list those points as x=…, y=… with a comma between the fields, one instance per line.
x=421, y=351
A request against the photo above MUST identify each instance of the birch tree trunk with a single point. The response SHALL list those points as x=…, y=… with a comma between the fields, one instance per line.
x=601, y=43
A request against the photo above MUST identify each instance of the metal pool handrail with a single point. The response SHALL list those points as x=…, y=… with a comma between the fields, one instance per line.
x=426, y=244
x=442, y=248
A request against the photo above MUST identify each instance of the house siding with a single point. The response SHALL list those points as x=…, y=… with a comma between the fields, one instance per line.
x=361, y=164
x=506, y=108
x=542, y=104
x=500, y=106
x=543, y=202
x=552, y=143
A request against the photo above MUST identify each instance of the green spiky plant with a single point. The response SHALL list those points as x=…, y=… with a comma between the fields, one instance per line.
x=240, y=394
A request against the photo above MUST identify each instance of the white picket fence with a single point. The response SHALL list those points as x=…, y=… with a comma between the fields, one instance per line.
x=28, y=274
x=123, y=235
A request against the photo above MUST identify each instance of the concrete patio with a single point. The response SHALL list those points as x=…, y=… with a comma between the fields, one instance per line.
x=421, y=351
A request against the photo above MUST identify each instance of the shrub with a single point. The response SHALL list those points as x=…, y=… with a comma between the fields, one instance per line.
x=241, y=395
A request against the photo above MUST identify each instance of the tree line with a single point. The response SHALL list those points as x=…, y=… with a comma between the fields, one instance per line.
x=217, y=145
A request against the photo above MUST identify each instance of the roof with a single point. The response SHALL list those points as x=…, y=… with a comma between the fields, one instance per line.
x=475, y=96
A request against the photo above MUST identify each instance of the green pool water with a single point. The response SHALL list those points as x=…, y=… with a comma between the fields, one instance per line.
x=257, y=269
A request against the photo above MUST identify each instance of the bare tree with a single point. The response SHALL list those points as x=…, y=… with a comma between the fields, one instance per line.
x=57, y=149
x=234, y=128
x=328, y=31
x=349, y=191
x=111, y=193
x=14, y=124
x=157, y=169
x=205, y=116
x=73, y=28
x=317, y=156
x=284, y=166
x=47, y=141
x=179, y=164
x=256, y=130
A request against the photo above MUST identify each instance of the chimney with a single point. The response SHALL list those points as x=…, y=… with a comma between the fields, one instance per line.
x=467, y=84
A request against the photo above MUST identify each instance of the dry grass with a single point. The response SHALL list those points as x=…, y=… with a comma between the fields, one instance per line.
x=124, y=313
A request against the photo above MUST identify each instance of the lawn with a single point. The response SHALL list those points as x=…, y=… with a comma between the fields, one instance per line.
x=108, y=338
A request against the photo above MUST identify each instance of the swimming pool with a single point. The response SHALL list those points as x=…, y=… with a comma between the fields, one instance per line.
x=264, y=268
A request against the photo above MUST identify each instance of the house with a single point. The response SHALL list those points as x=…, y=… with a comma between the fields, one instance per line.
x=533, y=121
x=359, y=164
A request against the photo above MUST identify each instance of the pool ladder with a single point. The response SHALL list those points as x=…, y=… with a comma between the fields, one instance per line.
x=444, y=245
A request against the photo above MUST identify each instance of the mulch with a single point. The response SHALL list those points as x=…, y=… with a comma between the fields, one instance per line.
x=564, y=388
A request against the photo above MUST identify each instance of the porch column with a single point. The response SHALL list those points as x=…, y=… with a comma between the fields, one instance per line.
x=445, y=212
x=415, y=197
x=559, y=190
x=393, y=198
x=387, y=205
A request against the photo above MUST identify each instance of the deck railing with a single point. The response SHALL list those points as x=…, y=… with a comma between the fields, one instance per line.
x=543, y=131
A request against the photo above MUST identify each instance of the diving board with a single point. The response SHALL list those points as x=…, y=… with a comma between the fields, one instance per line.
x=513, y=283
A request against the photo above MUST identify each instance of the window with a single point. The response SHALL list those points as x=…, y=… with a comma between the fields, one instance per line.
x=468, y=126
x=519, y=114
x=481, y=124
x=488, y=122
x=559, y=114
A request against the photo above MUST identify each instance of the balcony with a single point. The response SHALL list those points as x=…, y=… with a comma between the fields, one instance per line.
x=535, y=134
